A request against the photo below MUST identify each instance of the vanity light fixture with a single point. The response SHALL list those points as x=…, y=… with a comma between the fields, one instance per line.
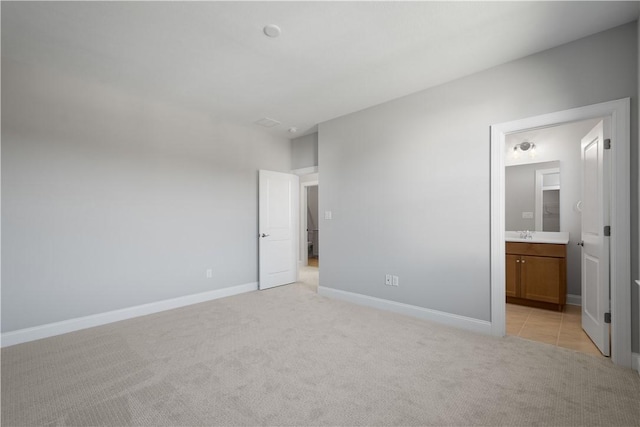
x=525, y=147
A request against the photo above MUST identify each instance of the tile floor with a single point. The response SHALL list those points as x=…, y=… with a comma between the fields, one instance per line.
x=551, y=327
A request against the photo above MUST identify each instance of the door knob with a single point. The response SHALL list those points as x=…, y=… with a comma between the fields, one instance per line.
x=264, y=235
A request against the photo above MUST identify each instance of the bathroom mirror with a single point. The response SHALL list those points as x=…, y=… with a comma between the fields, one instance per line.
x=532, y=197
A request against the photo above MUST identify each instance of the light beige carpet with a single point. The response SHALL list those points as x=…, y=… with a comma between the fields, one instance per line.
x=287, y=356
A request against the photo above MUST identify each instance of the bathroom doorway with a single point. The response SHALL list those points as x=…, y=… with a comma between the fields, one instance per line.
x=309, y=234
x=313, y=232
x=618, y=114
x=543, y=191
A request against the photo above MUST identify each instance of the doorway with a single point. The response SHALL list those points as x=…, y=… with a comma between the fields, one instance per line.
x=543, y=193
x=309, y=233
x=313, y=232
x=619, y=114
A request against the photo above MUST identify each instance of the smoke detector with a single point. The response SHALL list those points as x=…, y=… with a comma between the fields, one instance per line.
x=272, y=30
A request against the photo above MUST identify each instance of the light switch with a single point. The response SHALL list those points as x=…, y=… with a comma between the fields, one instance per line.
x=527, y=215
x=327, y=215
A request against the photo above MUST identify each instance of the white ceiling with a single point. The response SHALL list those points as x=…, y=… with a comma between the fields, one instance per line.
x=331, y=59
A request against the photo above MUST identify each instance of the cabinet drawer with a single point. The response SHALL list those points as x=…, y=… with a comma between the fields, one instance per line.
x=537, y=249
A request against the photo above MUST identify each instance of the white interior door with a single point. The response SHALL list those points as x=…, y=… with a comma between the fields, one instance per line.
x=595, y=245
x=277, y=228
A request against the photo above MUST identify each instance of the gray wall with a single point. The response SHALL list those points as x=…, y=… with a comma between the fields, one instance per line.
x=304, y=151
x=110, y=200
x=408, y=180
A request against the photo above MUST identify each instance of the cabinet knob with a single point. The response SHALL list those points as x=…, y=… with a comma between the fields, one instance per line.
x=523, y=261
x=517, y=260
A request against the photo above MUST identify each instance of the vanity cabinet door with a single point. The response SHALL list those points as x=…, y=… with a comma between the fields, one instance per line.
x=512, y=273
x=541, y=278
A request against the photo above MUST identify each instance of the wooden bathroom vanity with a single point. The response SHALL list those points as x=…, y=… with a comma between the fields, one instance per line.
x=536, y=274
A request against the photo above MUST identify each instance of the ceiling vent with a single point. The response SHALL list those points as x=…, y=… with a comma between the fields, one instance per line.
x=267, y=122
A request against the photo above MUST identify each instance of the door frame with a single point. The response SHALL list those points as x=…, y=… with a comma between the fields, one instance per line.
x=620, y=204
x=304, y=252
x=308, y=178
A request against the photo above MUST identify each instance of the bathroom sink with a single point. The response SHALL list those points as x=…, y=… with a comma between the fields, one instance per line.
x=555, y=237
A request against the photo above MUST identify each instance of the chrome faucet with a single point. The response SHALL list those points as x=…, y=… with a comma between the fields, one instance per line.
x=526, y=234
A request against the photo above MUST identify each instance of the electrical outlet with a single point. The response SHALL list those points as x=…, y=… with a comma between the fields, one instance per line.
x=209, y=273
x=396, y=281
x=387, y=279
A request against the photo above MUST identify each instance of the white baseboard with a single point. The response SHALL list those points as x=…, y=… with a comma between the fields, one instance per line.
x=449, y=319
x=635, y=361
x=71, y=325
x=574, y=299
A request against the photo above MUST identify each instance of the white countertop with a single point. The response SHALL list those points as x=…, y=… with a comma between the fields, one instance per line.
x=558, y=238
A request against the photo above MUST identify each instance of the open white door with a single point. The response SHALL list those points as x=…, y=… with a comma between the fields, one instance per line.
x=277, y=227
x=595, y=243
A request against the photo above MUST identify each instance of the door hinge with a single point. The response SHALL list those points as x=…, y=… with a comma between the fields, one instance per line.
x=607, y=144
x=607, y=318
x=607, y=230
